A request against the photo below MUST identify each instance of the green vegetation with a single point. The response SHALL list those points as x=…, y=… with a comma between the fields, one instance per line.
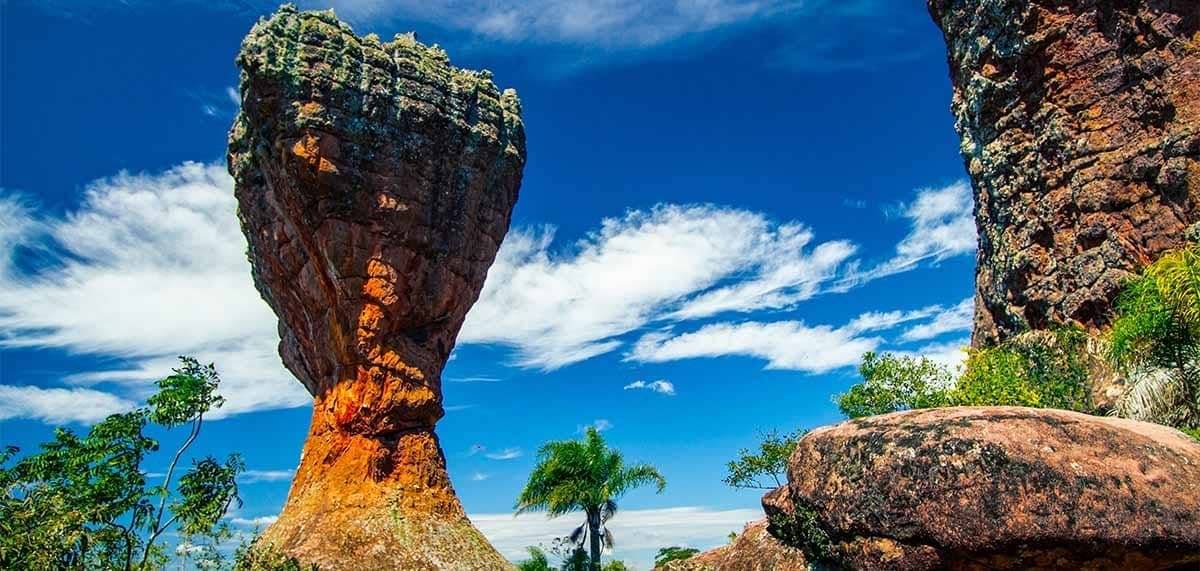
x=892, y=383
x=669, y=554
x=761, y=470
x=1037, y=370
x=1154, y=341
x=538, y=561
x=83, y=502
x=1042, y=370
x=584, y=476
x=573, y=558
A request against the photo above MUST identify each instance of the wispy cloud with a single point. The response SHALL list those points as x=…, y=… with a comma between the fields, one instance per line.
x=600, y=424
x=942, y=226
x=478, y=379
x=58, y=405
x=959, y=317
x=791, y=345
x=557, y=309
x=506, y=454
x=660, y=386
x=148, y=267
x=260, y=521
x=255, y=476
x=479, y=477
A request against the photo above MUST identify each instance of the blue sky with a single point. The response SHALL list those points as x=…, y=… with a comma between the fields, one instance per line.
x=725, y=204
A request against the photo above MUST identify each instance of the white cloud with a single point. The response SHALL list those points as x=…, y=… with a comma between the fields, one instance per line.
x=557, y=309
x=951, y=354
x=960, y=317
x=788, y=345
x=506, y=454
x=476, y=449
x=659, y=386
x=602, y=424
x=884, y=320
x=261, y=521
x=59, y=406
x=638, y=533
x=149, y=267
x=479, y=477
x=943, y=226
x=254, y=476
x=604, y=24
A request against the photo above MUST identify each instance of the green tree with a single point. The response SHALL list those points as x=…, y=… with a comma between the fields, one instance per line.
x=537, y=561
x=669, y=554
x=765, y=469
x=892, y=383
x=1155, y=340
x=83, y=502
x=584, y=476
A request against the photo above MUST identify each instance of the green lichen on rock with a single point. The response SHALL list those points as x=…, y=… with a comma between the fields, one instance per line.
x=368, y=90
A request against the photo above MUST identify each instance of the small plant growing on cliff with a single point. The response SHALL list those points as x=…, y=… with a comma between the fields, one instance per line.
x=584, y=476
x=1155, y=339
x=83, y=502
x=1044, y=370
x=764, y=469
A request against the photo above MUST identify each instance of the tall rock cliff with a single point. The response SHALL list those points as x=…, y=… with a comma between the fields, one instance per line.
x=1080, y=127
x=375, y=183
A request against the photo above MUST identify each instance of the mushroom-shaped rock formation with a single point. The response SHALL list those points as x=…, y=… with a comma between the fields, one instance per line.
x=375, y=183
x=1080, y=127
x=993, y=488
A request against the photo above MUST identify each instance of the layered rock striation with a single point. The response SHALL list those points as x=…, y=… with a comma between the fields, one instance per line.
x=375, y=183
x=993, y=488
x=1080, y=128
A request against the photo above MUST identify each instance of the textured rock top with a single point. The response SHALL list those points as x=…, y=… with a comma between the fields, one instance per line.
x=1080, y=128
x=996, y=488
x=376, y=88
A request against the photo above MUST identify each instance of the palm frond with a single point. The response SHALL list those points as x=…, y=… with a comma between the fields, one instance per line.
x=1177, y=274
x=608, y=539
x=577, y=536
x=1152, y=396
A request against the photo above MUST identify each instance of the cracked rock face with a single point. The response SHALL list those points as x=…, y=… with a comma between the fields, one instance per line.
x=995, y=488
x=375, y=183
x=1080, y=127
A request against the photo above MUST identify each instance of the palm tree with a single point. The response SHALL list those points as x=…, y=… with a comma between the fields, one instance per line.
x=584, y=476
x=1156, y=338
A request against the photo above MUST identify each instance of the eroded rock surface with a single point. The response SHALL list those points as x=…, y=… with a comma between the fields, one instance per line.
x=753, y=550
x=1080, y=127
x=375, y=183
x=993, y=488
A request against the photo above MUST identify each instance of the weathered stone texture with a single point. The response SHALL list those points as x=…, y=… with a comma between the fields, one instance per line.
x=752, y=550
x=1080, y=127
x=995, y=488
x=375, y=183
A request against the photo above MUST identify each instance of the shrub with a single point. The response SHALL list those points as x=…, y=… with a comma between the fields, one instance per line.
x=892, y=383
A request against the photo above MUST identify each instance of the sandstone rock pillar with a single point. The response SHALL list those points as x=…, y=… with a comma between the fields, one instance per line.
x=375, y=183
x=1080, y=127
